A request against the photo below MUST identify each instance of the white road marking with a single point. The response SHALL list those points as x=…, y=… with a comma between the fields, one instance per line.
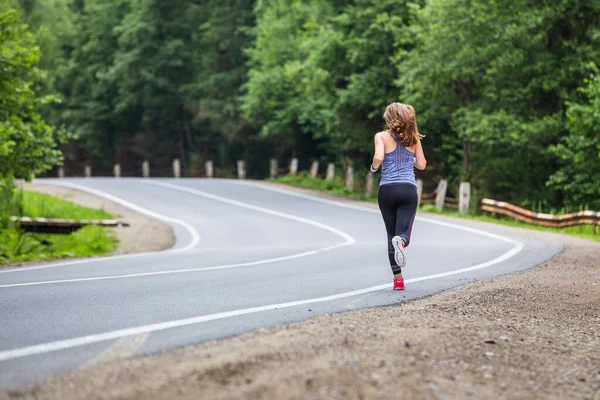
x=194, y=235
x=374, y=210
x=348, y=240
x=122, y=348
x=176, y=271
x=146, y=329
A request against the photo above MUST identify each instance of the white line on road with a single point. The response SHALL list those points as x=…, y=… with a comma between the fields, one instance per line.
x=373, y=210
x=176, y=271
x=348, y=240
x=194, y=235
x=100, y=337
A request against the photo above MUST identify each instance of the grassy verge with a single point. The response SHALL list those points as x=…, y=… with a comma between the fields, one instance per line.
x=337, y=188
x=18, y=246
x=41, y=205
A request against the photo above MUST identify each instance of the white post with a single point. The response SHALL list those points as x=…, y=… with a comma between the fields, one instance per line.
x=61, y=172
x=314, y=169
x=419, y=191
x=273, y=169
x=88, y=171
x=294, y=166
x=350, y=178
x=146, y=169
x=176, y=168
x=330, y=172
x=440, y=197
x=464, y=197
x=117, y=171
x=369, y=184
x=208, y=166
x=241, y=167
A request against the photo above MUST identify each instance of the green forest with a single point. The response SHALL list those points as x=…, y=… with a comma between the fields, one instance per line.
x=507, y=92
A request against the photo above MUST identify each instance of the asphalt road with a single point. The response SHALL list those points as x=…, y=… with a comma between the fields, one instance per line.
x=248, y=255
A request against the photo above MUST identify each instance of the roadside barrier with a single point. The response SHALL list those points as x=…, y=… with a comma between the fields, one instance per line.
x=541, y=219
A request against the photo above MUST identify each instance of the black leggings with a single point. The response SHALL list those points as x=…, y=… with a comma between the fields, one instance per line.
x=398, y=205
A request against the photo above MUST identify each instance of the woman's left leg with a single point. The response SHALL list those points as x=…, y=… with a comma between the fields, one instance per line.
x=405, y=217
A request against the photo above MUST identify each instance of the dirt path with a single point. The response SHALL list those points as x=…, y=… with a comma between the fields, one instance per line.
x=144, y=233
x=529, y=335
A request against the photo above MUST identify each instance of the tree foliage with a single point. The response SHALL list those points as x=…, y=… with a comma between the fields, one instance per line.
x=320, y=71
x=491, y=78
x=579, y=152
x=503, y=90
x=28, y=145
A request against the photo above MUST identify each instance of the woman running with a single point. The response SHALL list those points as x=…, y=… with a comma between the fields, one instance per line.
x=399, y=150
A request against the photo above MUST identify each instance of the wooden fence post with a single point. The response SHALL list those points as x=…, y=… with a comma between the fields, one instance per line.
x=419, y=191
x=176, y=168
x=330, y=172
x=440, y=197
x=369, y=184
x=314, y=169
x=464, y=197
x=208, y=166
x=241, y=167
x=146, y=169
x=117, y=171
x=273, y=169
x=350, y=178
x=294, y=166
x=61, y=172
x=87, y=171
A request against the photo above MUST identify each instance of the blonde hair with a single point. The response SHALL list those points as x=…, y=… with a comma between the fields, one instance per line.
x=400, y=119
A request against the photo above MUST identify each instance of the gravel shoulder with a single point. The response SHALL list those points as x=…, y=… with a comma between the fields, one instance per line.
x=144, y=234
x=533, y=334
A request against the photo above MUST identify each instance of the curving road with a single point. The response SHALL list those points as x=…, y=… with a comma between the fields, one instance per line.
x=248, y=255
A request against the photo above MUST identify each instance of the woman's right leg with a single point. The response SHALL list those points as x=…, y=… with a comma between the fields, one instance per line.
x=406, y=211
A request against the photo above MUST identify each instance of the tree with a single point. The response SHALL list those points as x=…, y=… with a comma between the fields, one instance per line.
x=220, y=72
x=489, y=79
x=372, y=32
x=289, y=92
x=579, y=153
x=28, y=145
x=89, y=91
x=52, y=24
x=321, y=73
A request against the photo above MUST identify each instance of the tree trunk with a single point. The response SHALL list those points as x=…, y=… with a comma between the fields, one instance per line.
x=467, y=162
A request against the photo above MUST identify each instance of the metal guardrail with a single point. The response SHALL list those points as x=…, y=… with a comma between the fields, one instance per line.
x=541, y=219
x=55, y=225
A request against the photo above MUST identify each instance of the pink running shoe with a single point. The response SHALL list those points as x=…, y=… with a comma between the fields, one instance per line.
x=398, y=284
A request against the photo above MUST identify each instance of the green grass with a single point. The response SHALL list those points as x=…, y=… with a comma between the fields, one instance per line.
x=18, y=246
x=337, y=188
x=41, y=205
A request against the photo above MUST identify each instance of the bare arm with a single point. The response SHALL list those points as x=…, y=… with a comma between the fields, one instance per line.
x=420, y=161
x=379, y=153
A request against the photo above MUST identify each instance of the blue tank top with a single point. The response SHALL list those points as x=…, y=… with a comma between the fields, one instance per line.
x=398, y=166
